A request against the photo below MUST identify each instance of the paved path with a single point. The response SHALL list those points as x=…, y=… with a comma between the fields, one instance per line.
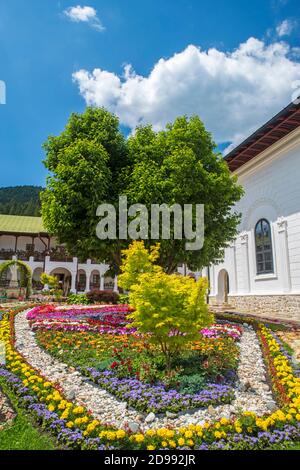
x=263, y=316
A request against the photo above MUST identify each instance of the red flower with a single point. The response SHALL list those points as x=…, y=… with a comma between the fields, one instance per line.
x=114, y=365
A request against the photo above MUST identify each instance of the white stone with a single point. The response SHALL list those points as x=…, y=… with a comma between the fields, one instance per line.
x=150, y=418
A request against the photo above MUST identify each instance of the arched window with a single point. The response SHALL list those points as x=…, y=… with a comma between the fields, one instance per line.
x=263, y=246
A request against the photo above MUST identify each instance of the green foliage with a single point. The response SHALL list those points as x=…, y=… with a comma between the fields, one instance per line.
x=20, y=200
x=123, y=299
x=171, y=308
x=192, y=383
x=180, y=165
x=85, y=163
x=137, y=259
x=91, y=163
x=53, y=285
x=78, y=299
x=26, y=273
x=50, y=281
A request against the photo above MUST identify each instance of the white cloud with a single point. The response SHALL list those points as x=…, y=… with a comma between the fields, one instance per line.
x=233, y=92
x=84, y=14
x=285, y=28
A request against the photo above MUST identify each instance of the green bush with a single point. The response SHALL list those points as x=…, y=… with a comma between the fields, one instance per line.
x=170, y=308
x=78, y=299
x=123, y=299
x=192, y=383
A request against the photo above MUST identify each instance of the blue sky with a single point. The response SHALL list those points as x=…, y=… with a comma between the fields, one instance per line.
x=233, y=63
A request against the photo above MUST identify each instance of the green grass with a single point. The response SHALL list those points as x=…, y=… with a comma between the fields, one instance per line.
x=295, y=446
x=287, y=347
x=276, y=327
x=22, y=434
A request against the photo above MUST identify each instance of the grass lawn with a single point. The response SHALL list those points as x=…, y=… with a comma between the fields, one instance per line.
x=22, y=434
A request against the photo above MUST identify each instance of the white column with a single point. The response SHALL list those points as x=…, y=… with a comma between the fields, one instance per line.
x=102, y=282
x=245, y=257
x=213, y=287
x=282, y=254
x=233, y=285
x=73, y=283
x=87, y=282
x=116, y=289
x=14, y=274
x=47, y=268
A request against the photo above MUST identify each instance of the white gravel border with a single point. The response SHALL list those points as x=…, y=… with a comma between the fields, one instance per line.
x=252, y=393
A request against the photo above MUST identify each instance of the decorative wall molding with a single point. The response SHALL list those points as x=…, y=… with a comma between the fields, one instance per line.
x=282, y=224
x=244, y=237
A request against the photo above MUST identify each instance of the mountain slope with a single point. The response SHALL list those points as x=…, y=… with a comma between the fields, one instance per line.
x=20, y=200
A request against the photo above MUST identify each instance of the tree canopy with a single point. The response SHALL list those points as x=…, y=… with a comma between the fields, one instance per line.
x=91, y=163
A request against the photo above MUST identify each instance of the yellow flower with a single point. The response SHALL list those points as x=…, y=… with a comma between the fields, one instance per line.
x=120, y=434
x=181, y=441
x=139, y=438
x=70, y=424
x=224, y=421
x=172, y=444
x=65, y=414
x=150, y=448
x=78, y=410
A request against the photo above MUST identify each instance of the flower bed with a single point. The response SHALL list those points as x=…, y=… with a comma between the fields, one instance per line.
x=71, y=424
x=60, y=416
x=130, y=367
x=155, y=398
x=101, y=319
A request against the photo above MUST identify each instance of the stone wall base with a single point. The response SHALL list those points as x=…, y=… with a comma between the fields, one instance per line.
x=278, y=306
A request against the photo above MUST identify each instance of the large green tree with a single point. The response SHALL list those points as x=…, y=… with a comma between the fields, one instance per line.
x=85, y=163
x=92, y=163
x=180, y=165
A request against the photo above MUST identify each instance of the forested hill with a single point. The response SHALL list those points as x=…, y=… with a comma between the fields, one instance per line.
x=20, y=200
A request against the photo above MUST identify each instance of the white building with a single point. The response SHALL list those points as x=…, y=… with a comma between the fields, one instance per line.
x=261, y=269
x=24, y=238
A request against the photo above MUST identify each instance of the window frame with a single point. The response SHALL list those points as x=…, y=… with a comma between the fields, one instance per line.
x=264, y=251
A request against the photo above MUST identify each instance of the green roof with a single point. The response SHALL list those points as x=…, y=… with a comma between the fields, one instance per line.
x=21, y=224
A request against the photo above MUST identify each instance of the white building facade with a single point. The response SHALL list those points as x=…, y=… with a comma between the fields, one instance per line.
x=261, y=268
x=23, y=238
